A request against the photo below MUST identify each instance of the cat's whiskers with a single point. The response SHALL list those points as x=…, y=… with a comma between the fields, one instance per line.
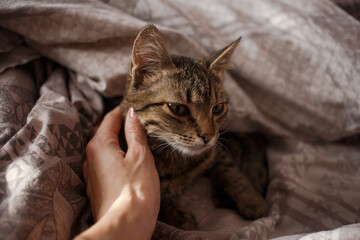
x=219, y=146
x=166, y=146
x=223, y=128
x=151, y=129
x=223, y=131
x=155, y=138
x=162, y=146
x=172, y=151
x=163, y=143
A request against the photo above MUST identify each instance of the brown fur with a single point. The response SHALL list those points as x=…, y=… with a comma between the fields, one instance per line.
x=160, y=87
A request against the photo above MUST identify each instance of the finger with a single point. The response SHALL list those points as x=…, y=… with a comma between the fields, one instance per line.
x=134, y=132
x=111, y=125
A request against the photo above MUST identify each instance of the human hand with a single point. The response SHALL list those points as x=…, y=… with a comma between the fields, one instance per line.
x=124, y=190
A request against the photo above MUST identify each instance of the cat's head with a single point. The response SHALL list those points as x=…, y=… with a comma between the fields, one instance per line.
x=179, y=100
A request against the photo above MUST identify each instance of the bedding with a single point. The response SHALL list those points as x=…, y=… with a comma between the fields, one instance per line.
x=295, y=79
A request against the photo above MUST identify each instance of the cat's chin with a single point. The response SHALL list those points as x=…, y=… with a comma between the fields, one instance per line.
x=193, y=151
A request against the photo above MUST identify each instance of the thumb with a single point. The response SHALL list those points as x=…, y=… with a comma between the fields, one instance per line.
x=134, y=132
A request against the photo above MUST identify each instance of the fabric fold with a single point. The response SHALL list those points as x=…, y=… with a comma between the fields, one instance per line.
x=295, y=78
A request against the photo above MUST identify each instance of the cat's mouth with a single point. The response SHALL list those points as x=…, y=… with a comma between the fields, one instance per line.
x=186, y=148
x=195, y=149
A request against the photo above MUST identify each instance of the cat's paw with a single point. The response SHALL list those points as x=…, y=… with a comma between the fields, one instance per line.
x=253, y=210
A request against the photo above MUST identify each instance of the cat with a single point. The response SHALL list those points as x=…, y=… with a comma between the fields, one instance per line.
x=182, y=104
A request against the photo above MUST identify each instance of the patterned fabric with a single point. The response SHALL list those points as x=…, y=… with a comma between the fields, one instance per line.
x=295, y=78
x=43, y=136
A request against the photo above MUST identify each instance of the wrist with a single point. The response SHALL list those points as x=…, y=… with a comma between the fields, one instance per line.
x=134, y=216
x=128, y=218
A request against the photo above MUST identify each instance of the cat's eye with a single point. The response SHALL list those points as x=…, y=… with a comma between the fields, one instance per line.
x=178, y=109
x=217, y=109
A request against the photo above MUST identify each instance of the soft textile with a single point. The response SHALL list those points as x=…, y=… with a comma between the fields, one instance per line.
x=295, y=78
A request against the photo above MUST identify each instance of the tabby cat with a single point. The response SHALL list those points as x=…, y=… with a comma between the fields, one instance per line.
x=182, y=104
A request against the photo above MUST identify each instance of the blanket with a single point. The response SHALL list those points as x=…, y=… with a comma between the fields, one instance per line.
x=295, y=78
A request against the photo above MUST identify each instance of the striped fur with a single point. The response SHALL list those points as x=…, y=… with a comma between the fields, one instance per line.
x=160, y=87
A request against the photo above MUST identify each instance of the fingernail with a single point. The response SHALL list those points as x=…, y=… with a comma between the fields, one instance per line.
x=132, y=113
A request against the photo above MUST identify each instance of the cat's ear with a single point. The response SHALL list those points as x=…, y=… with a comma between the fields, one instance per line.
x=219, y=61
x=149, y=55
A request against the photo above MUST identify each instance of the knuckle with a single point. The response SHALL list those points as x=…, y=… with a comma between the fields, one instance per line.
x=139, y=136
x=135, y=129
x=100, y=137
x=90, y=147
x=141, y=151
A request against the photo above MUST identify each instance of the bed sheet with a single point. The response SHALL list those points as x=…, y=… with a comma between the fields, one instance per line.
x=295, y=78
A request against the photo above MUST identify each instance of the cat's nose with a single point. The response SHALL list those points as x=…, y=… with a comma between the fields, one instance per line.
x=206, y=137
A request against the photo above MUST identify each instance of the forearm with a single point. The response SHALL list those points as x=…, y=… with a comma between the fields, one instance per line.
x=126, y=219
x=124, y=190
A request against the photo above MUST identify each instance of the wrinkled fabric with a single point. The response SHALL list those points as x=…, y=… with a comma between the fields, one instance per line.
x=44, y=132
x=295, y=78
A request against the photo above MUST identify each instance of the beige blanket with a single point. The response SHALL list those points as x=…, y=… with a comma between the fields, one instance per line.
x=295, y=78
